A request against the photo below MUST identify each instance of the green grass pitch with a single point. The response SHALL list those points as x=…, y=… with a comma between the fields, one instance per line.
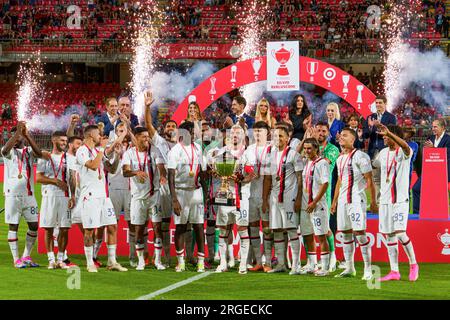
x=40, y=283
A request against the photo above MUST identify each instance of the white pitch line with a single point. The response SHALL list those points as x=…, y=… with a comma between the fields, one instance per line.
x=174, y=286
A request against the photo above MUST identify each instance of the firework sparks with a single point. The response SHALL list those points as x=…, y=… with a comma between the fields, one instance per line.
x=144, y=62
x=30, y=88
x=251, y=42
x=396, y=48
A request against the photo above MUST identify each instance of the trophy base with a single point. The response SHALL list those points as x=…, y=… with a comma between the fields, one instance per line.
x=229, y=202
x=446, y=251
x=283, y=71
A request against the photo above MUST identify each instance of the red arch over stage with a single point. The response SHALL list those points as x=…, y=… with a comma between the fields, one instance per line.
x=312, y=71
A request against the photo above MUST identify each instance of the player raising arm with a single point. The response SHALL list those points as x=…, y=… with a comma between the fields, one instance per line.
x=18, y=190
x=394, y=198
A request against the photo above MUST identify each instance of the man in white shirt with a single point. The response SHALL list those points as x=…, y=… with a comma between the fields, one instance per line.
x=164, y=144
x=314, y=217
x=256, y=154
x=97, y=209
x=395, y=161
x=18, y=189
x=54, y=174
x=119, y=190
x=186, y=167
x=350, y=202
x=282, y=197
x=239, y=186
x=142, y=165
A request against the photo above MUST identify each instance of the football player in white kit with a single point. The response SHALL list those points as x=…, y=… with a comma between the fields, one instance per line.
x=142, y=164
x=227, y=215
x=350, y=202
x=314, y=217
x=18, y=190
x=257, y=155
x=119, y=189
x=164, y=144
x=395, y=162
x=186, y=167
x=97, y=209
x=282, y=197
x=54, y=174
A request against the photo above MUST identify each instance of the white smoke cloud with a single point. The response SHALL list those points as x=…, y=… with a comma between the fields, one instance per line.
x=429, y=70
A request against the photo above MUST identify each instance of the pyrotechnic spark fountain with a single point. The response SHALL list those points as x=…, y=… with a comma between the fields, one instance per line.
x=30, y=88
x=401, y=15
x=251, y=42
x=143, y=64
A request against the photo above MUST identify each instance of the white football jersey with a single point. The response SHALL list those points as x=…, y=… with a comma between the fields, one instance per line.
x=163, y=145
x=315, y=174
x=147, y=163
x=57, y=167
x=73, y=165
x=181, y=158
x=92, y=182
x=351, y=170
x=288, y=167
x=395, y=186
x=15, y=159
x=257, y=157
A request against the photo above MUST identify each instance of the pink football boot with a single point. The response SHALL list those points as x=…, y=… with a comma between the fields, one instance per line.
x=393, y=275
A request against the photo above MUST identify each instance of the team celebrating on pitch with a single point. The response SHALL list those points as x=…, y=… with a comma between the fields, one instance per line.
x=278, y=184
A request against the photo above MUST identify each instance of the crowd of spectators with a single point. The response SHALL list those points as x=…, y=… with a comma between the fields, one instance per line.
x=333, y=25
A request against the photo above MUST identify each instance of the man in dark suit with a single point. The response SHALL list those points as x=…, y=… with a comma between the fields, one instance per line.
x=439, y=139
x=109, y=118
x=238, y=115
x=126, y=114
x=376, y=142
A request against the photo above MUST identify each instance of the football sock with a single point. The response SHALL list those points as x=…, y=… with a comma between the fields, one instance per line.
x=60, y=256
x=140, y=253
x=366, y=251
x=312, y=258
x=31, y=239
x=180, y=256
x=325, y=260
x=201, y=257
x=349, y=251
x=158, y=250
x=97, y=246
x=111, y=254
x=65, y=255
x=278, y=239
x=223, y=247
x=245, y=244
x=295, y=248
x=89, y=253
x=51, y=256
x=255, y=240
x=132, y=243
x=408, y=247
x=268, y=241
x=392, y=246
x=13, y=244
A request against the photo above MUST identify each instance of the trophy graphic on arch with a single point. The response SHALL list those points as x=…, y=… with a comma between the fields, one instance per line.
x=282, y=56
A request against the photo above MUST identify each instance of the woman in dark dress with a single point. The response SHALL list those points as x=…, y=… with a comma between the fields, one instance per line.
x=300, y=116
